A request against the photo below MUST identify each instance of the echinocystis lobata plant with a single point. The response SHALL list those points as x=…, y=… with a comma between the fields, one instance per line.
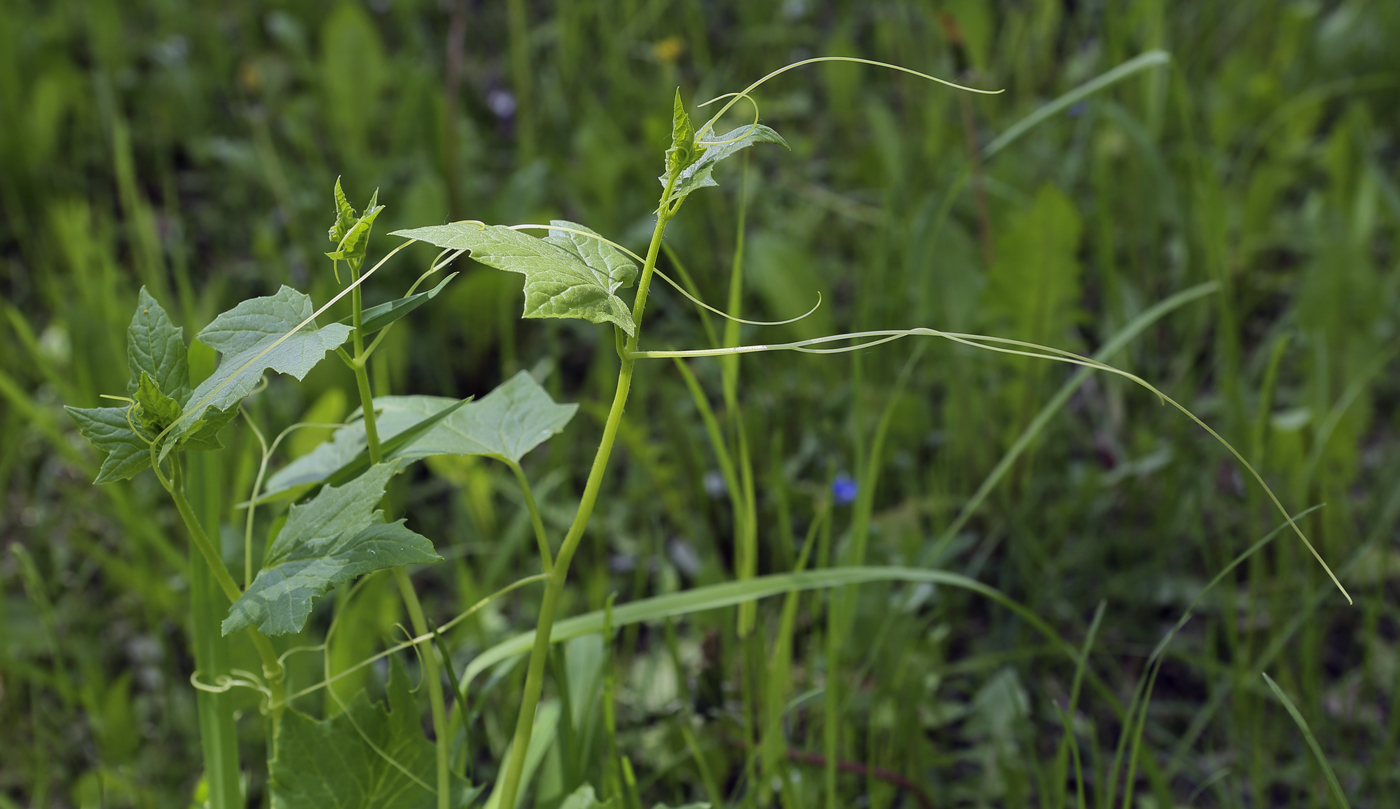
x=334, y=533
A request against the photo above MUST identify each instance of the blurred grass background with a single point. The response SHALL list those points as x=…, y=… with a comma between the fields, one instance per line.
x=192, y=148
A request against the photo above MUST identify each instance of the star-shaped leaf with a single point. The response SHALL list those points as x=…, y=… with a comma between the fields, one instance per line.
x=253, y=338
x=364, y=758
x=697, y=174
x=507, y=423
x=559, y=282
x=332, y=539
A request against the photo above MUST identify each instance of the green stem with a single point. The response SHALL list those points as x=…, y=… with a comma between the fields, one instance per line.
x=272, y=667
x=218, y=723
x=359, y=366
x=434, y=677
x=554, y=587
x=535, y=520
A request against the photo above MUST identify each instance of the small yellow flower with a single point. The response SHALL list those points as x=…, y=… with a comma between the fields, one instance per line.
x=668, y=50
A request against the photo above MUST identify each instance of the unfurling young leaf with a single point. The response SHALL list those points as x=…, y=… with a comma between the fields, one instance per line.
x=697, y=174
x=250, y=338
x=351, y=230
x=559, y=282
x=160, y=389
x=332, y=539
x=157, y=411
x=507, y=423
x=364, y=758
x=682, y=152
x=345, y=215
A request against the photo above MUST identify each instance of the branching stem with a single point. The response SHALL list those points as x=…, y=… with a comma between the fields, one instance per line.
x=272, y=667
x=554, y=586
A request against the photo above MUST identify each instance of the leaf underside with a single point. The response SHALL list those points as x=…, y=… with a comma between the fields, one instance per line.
x=559, y=281
x=335, y=537
x=508, y=422
x=344, y=761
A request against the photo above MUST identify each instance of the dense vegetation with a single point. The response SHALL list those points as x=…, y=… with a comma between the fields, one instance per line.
x=1218, y=219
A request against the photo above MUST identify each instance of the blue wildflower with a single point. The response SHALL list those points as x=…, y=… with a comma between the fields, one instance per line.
x=843, y=489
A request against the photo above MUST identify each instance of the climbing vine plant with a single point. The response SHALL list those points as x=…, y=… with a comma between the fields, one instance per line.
x=335, y=531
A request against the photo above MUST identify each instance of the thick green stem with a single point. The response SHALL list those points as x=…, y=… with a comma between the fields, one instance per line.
x=554, y=587
x=434, y=677
x=272, y=667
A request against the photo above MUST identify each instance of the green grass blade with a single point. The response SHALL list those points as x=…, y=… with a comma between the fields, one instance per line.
x=1115, y=344
x=1311, y=739
x=729, y=594
x=1064, y=102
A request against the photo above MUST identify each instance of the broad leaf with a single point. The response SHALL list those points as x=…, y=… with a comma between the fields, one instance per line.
x=334, y=538
x=377, y=317
x=107, y=429
x=507, y=423
x=155, y=346
x=253, y=338
x=620, y=269
x=558, y=282
x=393, y=446
x=697, y=175
x=366, y=757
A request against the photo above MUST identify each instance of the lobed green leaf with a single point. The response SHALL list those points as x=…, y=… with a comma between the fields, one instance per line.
x=107, y=429
x=252, y=337
x=559, y=282
x=507, y=423
x=620, y=269
x=156, y=347
x=332, y=539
